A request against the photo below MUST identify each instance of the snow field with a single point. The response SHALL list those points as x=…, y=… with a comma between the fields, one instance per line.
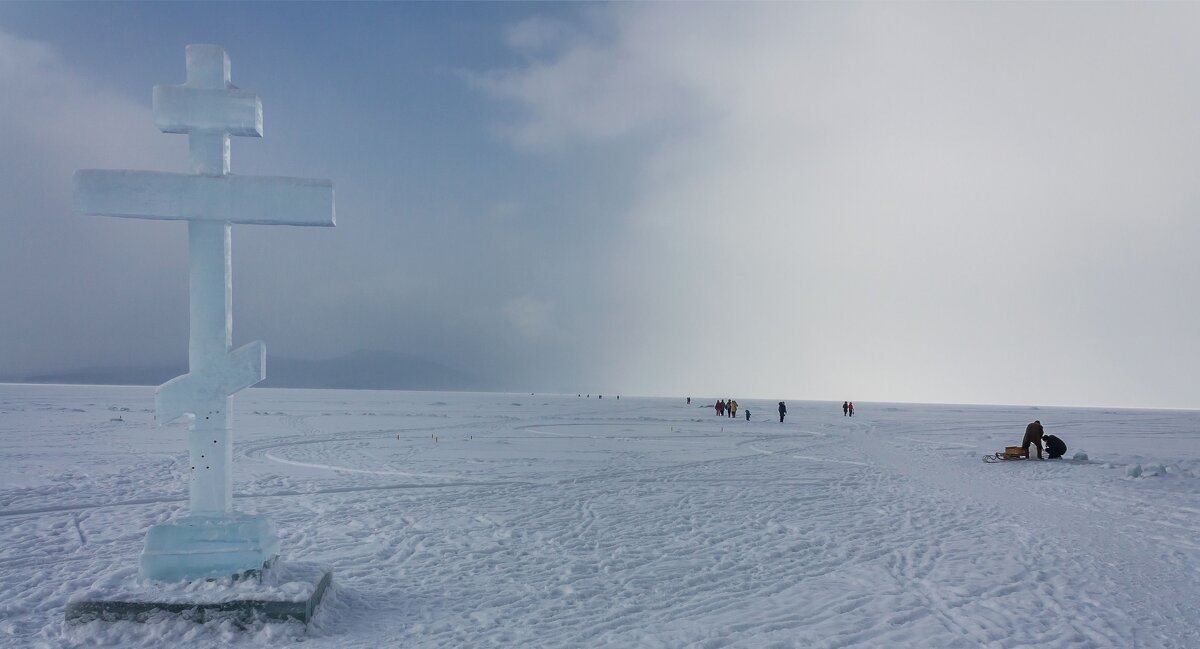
x=557, y=521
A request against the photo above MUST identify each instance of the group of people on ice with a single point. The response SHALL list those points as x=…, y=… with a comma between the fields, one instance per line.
x=728, y=408
x=1035, y=435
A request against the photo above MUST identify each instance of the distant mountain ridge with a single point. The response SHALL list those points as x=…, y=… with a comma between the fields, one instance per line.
x=361, y=370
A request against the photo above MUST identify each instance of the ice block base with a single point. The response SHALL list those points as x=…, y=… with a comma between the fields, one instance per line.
x=200, y=547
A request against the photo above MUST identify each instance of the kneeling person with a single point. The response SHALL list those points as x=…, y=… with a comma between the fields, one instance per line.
x=1055, y=447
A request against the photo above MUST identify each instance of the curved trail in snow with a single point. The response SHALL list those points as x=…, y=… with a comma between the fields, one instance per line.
x=342, y=469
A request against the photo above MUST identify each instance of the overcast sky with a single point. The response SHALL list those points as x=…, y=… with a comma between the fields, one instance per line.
x=937, y=202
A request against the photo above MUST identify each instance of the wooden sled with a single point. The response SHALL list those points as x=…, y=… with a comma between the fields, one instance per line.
x=1009, y=453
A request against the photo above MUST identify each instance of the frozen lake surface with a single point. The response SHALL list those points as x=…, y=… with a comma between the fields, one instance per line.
x=517, y=520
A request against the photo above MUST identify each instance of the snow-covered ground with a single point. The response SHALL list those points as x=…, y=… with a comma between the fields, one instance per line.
x=501, y=520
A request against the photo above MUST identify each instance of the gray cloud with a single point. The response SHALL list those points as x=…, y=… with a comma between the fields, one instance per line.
x=68, y=277
x=982, y=203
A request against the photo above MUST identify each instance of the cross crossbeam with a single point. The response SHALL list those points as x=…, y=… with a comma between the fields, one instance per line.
x=228, y=375
x=258, y=200
x=183, y=109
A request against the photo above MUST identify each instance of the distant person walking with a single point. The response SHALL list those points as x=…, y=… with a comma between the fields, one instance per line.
x=732, y=408
x=845, y=408
x=1033, y=435
x=850, y=407
x=720, y=408
x=689, y=401
x=747, y=415
x=782, y=411
x=729, y=407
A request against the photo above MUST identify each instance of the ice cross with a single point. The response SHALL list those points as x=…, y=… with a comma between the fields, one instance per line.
x=208, y=108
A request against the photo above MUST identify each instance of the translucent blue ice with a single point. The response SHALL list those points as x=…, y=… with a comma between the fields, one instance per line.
x=196, y=547
x=214, y=540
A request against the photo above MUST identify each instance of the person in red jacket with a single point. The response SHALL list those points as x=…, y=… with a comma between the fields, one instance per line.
x=720, y=408
x=850, y=407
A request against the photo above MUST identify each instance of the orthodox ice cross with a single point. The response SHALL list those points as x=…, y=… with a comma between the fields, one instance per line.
x=209, y=109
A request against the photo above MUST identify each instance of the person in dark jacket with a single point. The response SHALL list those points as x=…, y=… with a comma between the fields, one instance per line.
x=1055, y=447
x=747, y=415
x=782, y=411
x=845, y=407
x=1033, y=435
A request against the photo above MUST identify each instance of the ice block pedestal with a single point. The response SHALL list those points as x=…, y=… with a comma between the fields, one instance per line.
x=278, y=593
x=195, y=547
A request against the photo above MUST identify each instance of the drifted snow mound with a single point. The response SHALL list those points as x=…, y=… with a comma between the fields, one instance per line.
x=1153, y=469
x=1139, y=471
x=1080, y=457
